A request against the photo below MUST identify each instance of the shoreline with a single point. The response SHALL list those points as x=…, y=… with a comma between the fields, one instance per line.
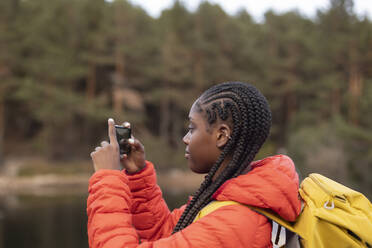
x=54, y=184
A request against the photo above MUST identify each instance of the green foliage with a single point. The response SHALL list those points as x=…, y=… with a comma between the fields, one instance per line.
x=66, y=66
x=158, y=151
x=336, y=149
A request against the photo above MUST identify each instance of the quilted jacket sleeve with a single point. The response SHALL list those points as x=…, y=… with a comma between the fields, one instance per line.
x=150, y=214
x=110, y=221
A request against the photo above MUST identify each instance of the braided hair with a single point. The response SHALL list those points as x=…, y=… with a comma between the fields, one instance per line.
x=249, y=113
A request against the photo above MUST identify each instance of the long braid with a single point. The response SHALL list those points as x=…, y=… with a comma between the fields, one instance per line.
x=207, y=181
x=251, y=119
x=198, y=201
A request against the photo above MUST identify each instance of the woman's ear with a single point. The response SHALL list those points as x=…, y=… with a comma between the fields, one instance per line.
x=223, y=135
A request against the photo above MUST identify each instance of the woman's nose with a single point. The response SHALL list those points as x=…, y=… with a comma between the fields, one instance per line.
x=186, y=139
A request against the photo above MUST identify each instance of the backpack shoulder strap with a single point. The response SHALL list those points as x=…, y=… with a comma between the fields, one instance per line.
x=274, y=217
x=283, y=233
x=212, y=206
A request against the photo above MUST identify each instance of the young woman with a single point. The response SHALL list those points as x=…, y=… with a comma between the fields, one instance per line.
x=228, y=125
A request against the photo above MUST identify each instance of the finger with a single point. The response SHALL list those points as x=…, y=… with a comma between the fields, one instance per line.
x=111, y=131
x=98, y=148
x=126, y=124
x=135, y=143
x=131, y=141
x=123, y=156
x=104, y=143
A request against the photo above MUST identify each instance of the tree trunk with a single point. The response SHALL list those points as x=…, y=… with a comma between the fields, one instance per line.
x=164, y=118
x=118, y=83
x=50, y=126
x=291, y=97
x=198, y=63
x=2, y=130
x=335, y=101
x=5, y=73
x=176, y=127
x=90, y=92
x=198, y=71
x=355, y=91
x=91, y=83
x=119, y=76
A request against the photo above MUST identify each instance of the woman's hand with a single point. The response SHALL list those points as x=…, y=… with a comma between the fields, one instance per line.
x=135, y=160
x=106, y=156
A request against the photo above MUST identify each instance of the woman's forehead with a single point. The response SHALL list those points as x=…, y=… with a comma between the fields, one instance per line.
x=193, y=106
x=196, y=106
x=195, y=113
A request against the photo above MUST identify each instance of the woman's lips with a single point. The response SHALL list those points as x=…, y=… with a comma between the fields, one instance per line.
x=187, y=155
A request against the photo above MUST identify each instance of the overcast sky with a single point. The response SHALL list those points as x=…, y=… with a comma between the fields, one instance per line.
x=256, y=7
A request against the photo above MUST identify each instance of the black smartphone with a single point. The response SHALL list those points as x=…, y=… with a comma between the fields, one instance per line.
x=123, y=133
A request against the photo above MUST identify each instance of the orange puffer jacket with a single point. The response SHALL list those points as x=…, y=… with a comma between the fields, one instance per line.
x=129, y=211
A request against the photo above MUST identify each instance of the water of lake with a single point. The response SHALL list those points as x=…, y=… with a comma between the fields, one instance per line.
x=51, y=221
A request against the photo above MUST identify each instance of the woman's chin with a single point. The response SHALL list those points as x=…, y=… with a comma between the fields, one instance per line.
x=192, y=166
x=195, y=168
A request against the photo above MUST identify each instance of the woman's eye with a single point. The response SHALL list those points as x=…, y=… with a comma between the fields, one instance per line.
x=191, y=128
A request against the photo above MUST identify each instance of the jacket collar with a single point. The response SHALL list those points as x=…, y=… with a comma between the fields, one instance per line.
x=272, y=183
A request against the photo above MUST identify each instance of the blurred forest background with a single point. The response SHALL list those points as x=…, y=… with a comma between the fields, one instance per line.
x=66, y=66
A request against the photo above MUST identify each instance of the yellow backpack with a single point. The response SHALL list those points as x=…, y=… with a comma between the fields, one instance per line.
x=332, y=216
